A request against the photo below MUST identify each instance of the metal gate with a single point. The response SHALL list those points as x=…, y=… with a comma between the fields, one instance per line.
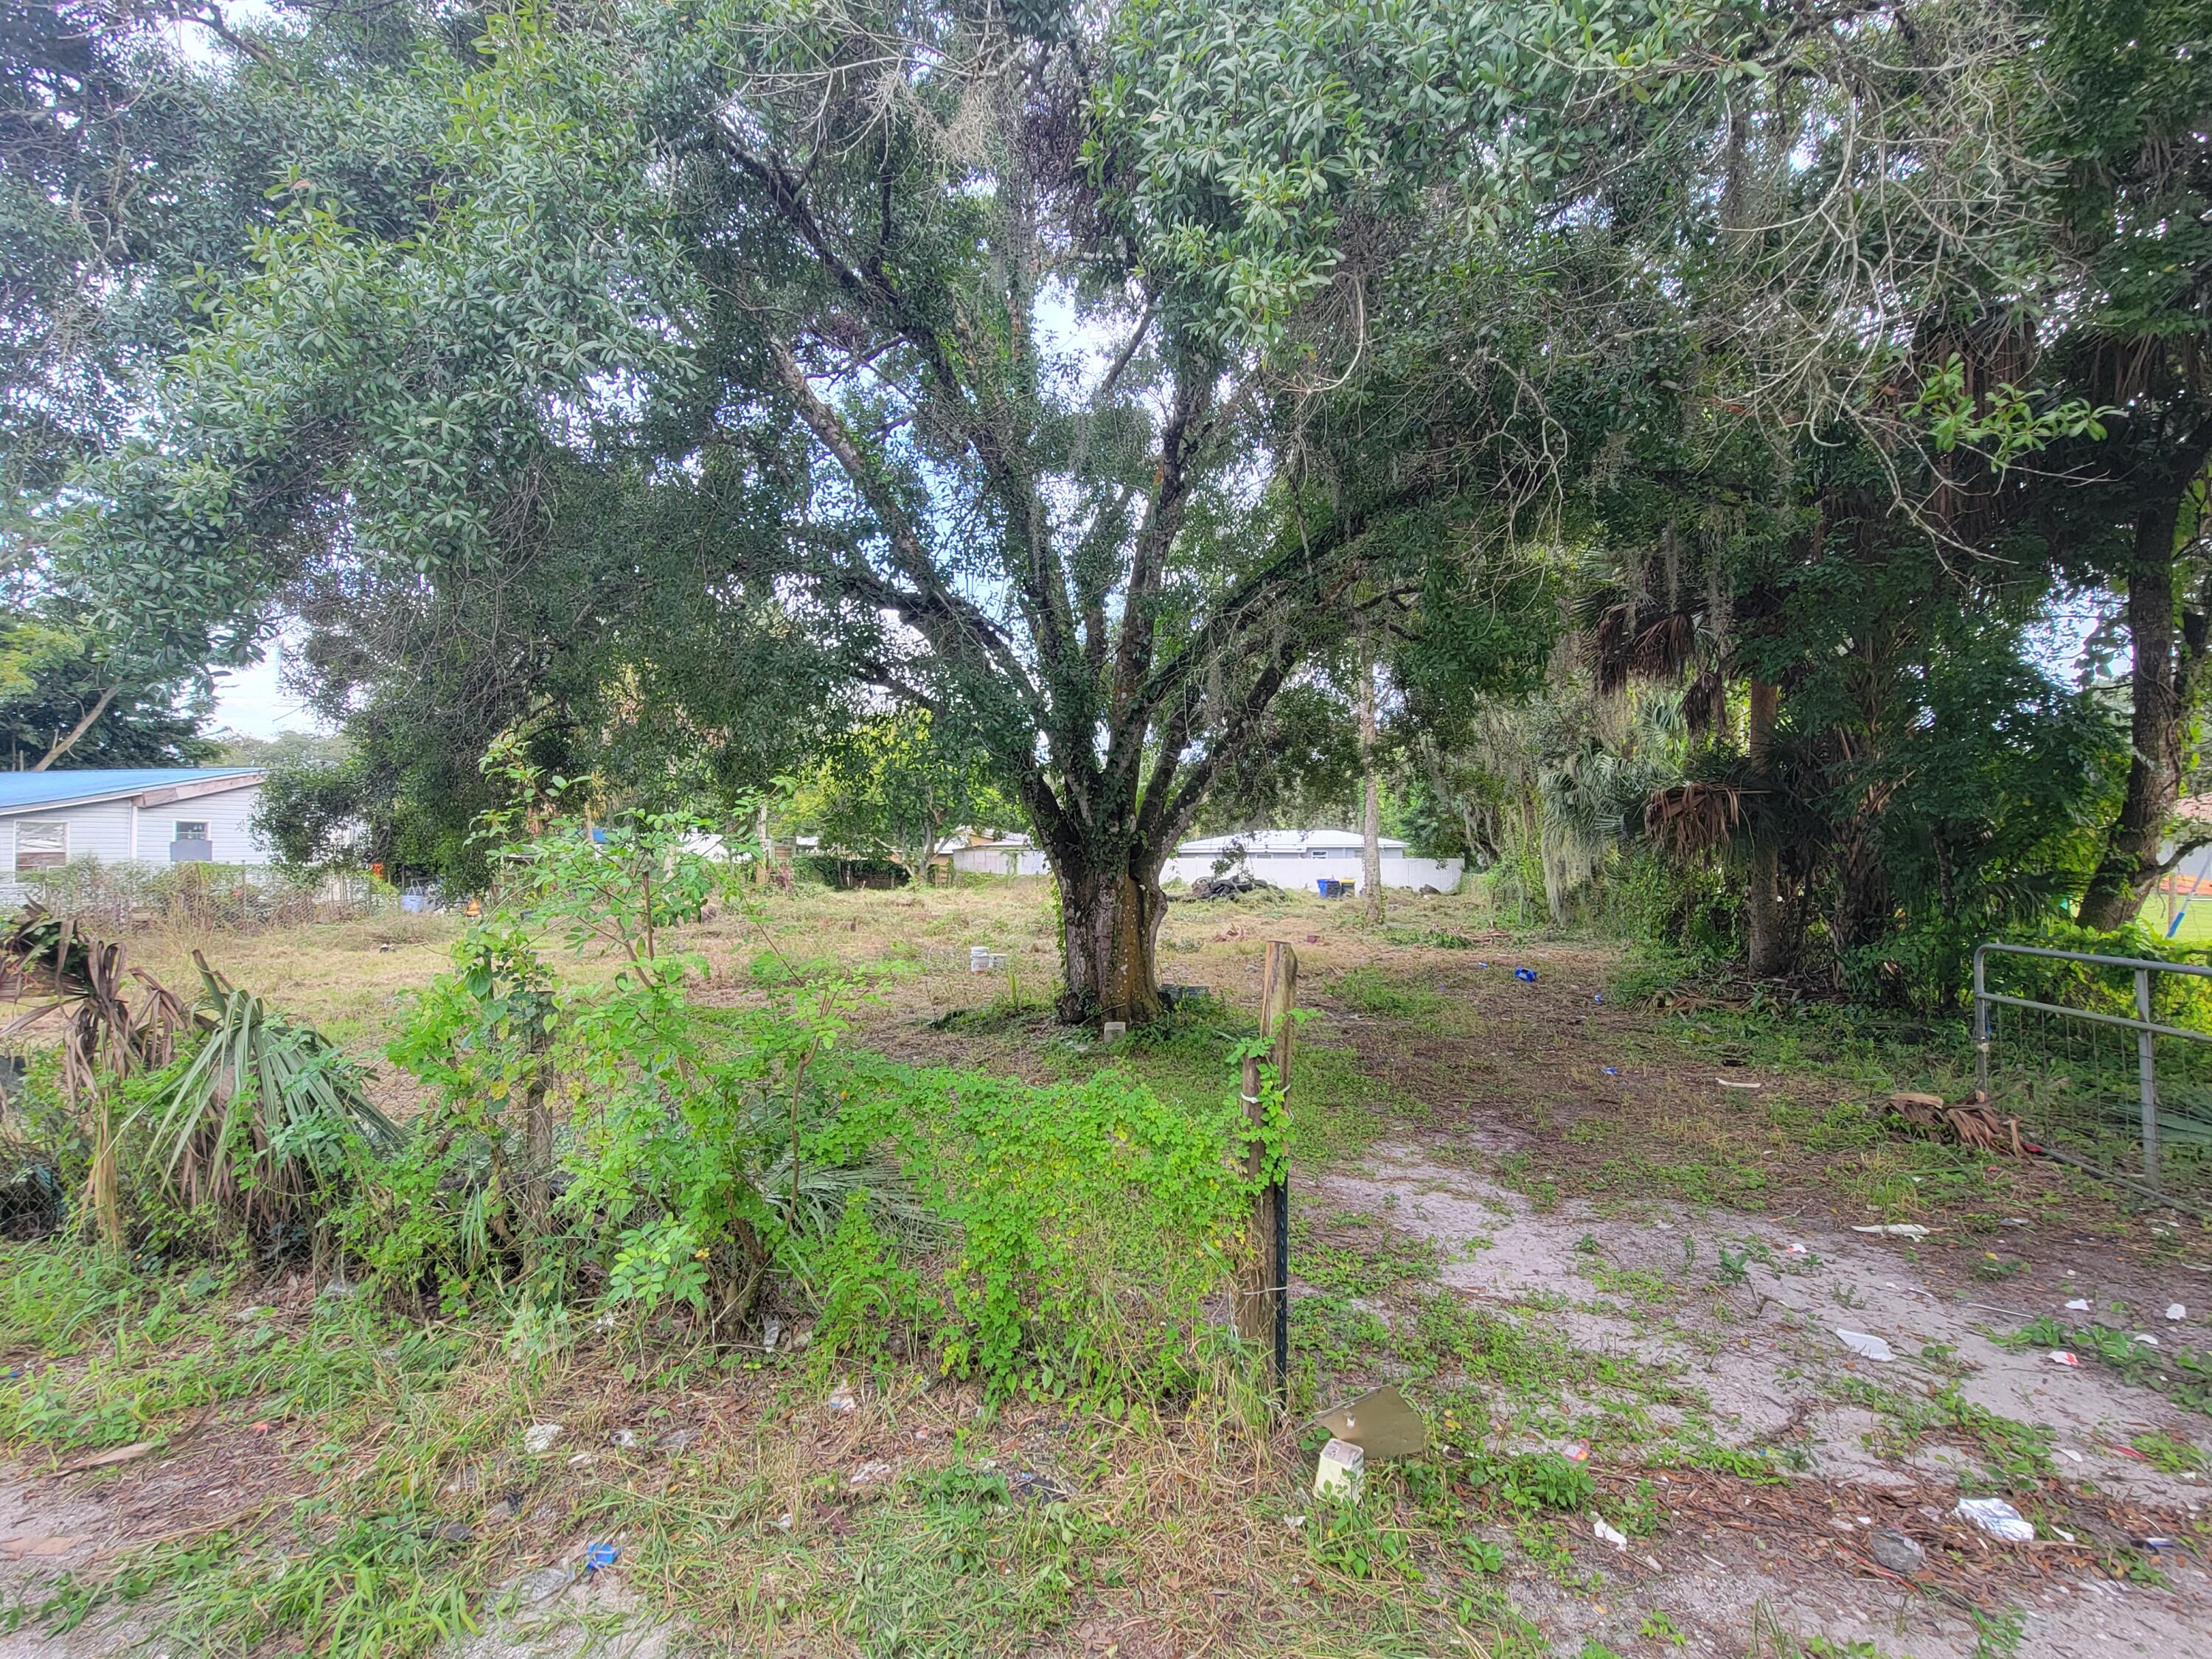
x=2164, y=1113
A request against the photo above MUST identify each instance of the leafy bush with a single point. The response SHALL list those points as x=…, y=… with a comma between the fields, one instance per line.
x=1542, y=1480
x=1074, y=1230
x=46, y=1154
x=2176, y=999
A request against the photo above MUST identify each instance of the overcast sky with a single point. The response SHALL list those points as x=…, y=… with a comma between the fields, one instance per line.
x=250, y=702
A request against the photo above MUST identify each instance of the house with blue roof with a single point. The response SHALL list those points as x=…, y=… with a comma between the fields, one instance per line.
x=140, y=815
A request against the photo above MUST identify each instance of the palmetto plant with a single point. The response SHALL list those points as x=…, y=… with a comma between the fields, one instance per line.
x=262, y=1114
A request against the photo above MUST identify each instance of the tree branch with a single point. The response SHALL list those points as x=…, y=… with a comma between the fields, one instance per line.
x=62, y=745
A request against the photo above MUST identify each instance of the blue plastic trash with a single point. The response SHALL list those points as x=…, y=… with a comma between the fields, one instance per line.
x=1526, y=975
x=600, y=1555
x=1613, y=1071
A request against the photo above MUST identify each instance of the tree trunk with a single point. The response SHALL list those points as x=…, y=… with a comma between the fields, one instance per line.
x=1370, y=817
x=1109, y=929
x=2133, y=857
x=1770, y=953
x=767, y=846
x=537, y=1130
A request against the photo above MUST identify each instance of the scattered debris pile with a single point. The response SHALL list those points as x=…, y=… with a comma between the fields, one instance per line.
x=1971, y=1122
x=1230, y=884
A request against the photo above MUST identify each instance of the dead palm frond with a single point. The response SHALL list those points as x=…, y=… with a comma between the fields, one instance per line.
x=1972, y=1123
x=1638, y=641
x=82, y=978
x=1693, y=819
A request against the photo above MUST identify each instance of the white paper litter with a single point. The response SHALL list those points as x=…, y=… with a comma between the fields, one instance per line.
x=1896, y=1230
x=1730, y=1082
x=2150, y=1341
x=2060, y=1357
x=2079, y=1304
x=2175, y=1310
x=1867, y=1347
x=1619, y=1540
x=1997, y=1518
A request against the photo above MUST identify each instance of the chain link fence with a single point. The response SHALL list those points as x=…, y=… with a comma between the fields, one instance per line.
x=37, y=1140
x=116, y=898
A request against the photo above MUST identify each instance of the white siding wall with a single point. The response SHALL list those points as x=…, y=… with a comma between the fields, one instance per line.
x=1000, y=860
x=117, y=831
x=1302, y=871
x=98, y=830
x=229, y=815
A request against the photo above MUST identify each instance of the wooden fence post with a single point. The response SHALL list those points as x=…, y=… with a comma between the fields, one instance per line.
x=1263, y=1304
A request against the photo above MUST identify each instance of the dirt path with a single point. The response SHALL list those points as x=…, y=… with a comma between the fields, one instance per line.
x=1769, y=1375
x=1557, y=1194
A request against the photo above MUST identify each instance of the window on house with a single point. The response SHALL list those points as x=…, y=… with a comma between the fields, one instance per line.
x=192, y=829
x=41, y=846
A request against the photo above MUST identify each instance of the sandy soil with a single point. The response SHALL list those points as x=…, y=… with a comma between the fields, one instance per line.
x=1762, y=1353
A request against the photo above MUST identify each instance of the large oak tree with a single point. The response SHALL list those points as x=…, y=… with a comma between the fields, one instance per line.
x=1004, y=329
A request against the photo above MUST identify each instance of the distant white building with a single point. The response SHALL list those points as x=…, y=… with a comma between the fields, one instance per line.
x=972, y=853
x=142, y=815
x=1300, y=857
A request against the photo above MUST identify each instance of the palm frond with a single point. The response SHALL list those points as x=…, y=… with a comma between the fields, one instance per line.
x=1691, y=819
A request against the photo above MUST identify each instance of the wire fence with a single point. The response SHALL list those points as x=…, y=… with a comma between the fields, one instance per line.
x=37, y=1139
x=115, y=899
x=2107, y=1060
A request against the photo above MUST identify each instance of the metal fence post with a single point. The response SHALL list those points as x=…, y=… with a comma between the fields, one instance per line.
x=1981, y=1025
x=2146, y=1067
